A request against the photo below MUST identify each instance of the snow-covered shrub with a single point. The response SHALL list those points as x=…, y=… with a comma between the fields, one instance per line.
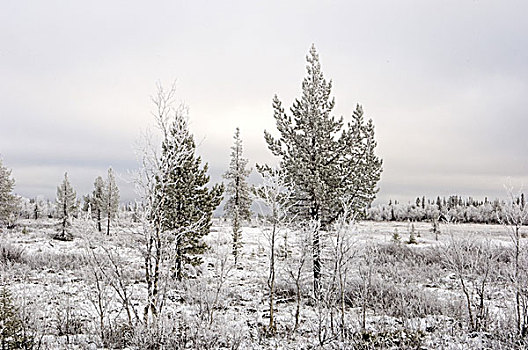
x=55, y=261
x=397, y=339
x=10, y=254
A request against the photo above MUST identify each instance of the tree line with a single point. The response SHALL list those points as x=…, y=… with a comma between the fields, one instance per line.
x=453, y=209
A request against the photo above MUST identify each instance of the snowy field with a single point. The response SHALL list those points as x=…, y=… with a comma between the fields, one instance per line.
x=397, y=295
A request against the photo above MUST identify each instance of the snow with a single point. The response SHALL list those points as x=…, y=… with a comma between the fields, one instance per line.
x=53, y=285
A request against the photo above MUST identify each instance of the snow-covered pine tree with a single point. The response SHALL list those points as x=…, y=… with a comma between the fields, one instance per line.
x=97, y=202
x=183, y=204
x=325, y=160
x=65, y=203
x=8, y=201
x=110, y=199
x=238, y=205
x=36, y=209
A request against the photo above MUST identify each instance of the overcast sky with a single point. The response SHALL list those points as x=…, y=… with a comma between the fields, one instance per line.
x=445, y=82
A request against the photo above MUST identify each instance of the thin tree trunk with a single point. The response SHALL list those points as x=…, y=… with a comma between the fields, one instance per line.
x=316, y=263
x=99, y=228
x=272, y=275
x=517, y=292
x=468, y=300
x=108, y=224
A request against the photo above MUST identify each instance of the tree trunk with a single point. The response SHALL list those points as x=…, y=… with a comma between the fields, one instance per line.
x=316, y=263
x=99, y=228
x=108, y=224
x=272, y=277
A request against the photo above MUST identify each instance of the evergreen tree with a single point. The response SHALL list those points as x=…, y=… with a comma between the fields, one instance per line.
x=65, y=204
x=8, y=201
x=183, y=205
x=12, y=334
x=238, y=205
x=36, y=210
x=326, y=161
x=110, y=199
x=97, y=202
x=135, y=213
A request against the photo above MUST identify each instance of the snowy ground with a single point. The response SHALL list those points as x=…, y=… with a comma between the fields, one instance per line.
x=414, y=300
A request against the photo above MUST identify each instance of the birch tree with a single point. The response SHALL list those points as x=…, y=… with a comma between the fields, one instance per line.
x=273, y=193
x=514, y=216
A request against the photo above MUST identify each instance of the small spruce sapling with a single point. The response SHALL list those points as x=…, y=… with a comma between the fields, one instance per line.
x=396, y=238
x=412, y=237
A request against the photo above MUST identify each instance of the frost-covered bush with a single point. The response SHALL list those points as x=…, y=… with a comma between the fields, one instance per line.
x=10, y=254
x=397, y=339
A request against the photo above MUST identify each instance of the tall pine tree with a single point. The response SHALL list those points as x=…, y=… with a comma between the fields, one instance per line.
x=66, y=204
x=184, y=204
x=326, y=161
x=238, y=205
x=97, y=202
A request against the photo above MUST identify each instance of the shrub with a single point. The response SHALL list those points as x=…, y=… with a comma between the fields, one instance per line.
x=398, y=339
x=56, y=261
x=401, y=301
x=11, y=254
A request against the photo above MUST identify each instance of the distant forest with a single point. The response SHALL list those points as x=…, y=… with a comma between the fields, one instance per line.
x=453, y=209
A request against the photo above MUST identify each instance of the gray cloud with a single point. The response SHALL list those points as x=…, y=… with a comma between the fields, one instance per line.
x=445, y=82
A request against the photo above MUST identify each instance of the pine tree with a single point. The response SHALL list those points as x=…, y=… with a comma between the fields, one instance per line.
x=110, y=199
x=12, y=334
x=8, y=201
x=326, y=161
x=36, y=210
x=238, y=205
x=97, y=202
x=183, y=204
x=65, y=204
